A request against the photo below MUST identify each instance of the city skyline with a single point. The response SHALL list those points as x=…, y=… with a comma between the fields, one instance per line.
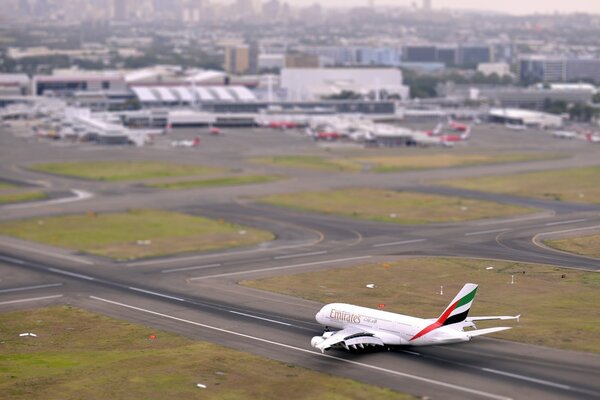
x=508, y=6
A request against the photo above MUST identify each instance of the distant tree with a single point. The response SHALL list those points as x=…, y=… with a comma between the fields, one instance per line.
x=344, y=95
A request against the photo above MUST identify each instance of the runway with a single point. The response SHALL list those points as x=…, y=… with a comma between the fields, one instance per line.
x=197, y=295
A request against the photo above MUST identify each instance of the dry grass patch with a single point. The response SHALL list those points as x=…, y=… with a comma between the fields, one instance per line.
x=392, y=206
x=135, y=234
x=312, y=163
x=124, y=170
x=582, y=245
x=573, y=185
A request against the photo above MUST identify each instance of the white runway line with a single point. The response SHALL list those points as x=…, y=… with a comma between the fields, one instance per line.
x=31, y=299
x=73, y=274
x=400, y=243
x=156, y=294
x=80, y=195
x=20, y=289
x=168, y=271
x=565, y=222
x=279, y=268
x=314, y=253
x=316, y=354
x=261, y=318
x=485, y=232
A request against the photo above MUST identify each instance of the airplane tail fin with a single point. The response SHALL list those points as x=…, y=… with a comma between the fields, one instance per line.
x=459, y=307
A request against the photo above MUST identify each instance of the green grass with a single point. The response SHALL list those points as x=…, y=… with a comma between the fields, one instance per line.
x=6, y=185
x=81, y=355
x=123, y=171
x=391, y=206
x=571, y=185
x=224, y=181
x=582, y=245
x=21, y=197
x=556, y=312
x=116, y=235
x=382, y=164
x=312, y=163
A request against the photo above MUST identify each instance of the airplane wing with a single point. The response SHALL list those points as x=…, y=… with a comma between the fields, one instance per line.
x=346, y=338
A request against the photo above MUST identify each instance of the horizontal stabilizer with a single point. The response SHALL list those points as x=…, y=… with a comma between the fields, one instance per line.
x=479, y=332
x=492, y=318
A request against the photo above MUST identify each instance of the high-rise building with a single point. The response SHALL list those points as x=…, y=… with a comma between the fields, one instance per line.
x=237, y=59
x=542, y=68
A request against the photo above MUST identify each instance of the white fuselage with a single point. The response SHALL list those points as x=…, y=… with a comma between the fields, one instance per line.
x=392, y=328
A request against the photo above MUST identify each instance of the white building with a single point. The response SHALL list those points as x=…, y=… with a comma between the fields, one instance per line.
x=310, y=84
x=500, y=69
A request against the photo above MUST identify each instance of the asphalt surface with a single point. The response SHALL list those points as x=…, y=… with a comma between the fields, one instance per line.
x=196, y=294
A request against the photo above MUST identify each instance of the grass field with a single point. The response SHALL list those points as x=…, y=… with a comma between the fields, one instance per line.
x=382, y=164
x=116, y=235
x=123, y=171
x=80, y=355
x=583, y=245
x=556, y=312
x=224, y=181
x=21, y=197
x=571, y=185
x=312, y=163
x=6, y=185
x=392, y=206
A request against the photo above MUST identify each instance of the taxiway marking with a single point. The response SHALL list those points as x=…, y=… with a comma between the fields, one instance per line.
x=314, y=253
x=168, y=271
x=23, y=288
x=399, y=243
x=279, y=268
x=166, y=296
x=485, y=232
x=317, y=354
x=565, y=222
x=73, y=274
x=31, y=299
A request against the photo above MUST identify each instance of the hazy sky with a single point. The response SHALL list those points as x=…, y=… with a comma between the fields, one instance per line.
x=512, y=6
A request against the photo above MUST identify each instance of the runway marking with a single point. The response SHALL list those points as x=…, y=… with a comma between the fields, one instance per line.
x=13, y=260
x=279, y=268
x=79, y=196
x=399, y=243
x=168, y=271
x=31, y=299
x=48, y=253
x=565, y=222
x=484, y=232
x=20, y=289
x=261, y=318
x=569, y=230
x=317, y=354
x=73, y=274
x=542, y=215
x=155, y=293
x=526, y=378
x=314, y=253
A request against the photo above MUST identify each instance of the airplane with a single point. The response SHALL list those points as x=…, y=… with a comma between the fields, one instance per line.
x=360, y=327
x=564, y=135
x=593, y=138
x=186, y=143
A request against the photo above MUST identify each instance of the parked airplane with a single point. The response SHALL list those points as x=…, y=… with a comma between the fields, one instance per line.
x=564, y=135
x=186, y=143
x=592, y=138
x=360, y=326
